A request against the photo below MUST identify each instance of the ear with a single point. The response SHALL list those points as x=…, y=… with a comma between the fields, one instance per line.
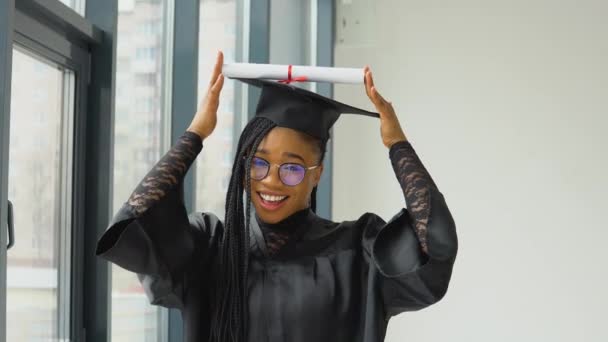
x=318, y=174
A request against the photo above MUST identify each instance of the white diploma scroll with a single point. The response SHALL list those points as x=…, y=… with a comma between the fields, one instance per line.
x=299, y=73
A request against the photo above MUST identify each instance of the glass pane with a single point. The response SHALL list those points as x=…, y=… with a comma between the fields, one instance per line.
x=290, y=32
x=76, y=5
x=138, y=140
x=291, y=28
x=37, y=279
x=217, y=32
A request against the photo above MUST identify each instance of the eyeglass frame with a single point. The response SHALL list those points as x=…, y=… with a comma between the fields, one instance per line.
x=306, y=168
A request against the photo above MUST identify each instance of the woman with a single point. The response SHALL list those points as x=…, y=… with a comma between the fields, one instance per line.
x=283, y=273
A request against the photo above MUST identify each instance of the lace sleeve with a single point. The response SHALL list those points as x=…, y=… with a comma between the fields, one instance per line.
x=167, y=174
x=416, y=184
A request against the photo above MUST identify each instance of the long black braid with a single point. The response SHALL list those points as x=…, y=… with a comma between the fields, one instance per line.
x=229, y=321
x=321, y=149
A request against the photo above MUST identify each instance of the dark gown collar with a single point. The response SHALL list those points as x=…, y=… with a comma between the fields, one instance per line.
x=297, y=224
x=295, y=220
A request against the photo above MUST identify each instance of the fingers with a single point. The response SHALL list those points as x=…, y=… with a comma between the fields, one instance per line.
x=383, y=106
x=217, y=78
x=217, y=86
x=370, y=88
x=369, y=81
x=376, y=97
x=217, y=69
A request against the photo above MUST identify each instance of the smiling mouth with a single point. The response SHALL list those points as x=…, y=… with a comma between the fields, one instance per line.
x=272, y=199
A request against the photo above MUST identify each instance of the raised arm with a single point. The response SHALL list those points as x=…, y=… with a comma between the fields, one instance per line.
x=415, y=251
x=167, y=174
x=152, y=233
x=417, y=186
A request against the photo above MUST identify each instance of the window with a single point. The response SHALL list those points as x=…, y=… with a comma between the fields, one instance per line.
x=76, y=5
x=150, y=28
x=217, y=32
x=145, y=79
x=145, y=105
x=145, y=53
x=38, y=267
x=138, y=145
x=291, y=30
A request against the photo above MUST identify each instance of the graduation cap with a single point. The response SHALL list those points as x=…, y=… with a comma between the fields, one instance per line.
x=300, y=109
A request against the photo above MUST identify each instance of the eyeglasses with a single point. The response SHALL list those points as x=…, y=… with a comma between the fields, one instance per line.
x=291, y=174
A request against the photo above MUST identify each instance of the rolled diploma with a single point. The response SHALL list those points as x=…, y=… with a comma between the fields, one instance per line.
x=280, y=72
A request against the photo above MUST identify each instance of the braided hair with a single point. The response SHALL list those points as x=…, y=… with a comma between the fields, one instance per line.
x=321, y=149
x=230, y=302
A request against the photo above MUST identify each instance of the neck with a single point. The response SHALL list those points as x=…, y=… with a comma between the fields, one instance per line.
x=289, y=230
x=289, y=222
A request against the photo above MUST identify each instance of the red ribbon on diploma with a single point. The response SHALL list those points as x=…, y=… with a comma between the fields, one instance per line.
x=291, y=79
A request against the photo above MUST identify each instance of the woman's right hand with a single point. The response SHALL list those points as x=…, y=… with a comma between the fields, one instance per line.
x=205, y=119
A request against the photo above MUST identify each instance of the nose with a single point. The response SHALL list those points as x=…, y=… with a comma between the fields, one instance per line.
x=272, y=179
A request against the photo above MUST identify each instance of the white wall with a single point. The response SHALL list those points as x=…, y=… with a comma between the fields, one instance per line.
x=506, y=103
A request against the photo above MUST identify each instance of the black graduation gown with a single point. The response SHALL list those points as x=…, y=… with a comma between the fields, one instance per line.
x=337, y=281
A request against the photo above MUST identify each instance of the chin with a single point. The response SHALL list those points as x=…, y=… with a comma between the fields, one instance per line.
x=271, y=216
x=271, y=220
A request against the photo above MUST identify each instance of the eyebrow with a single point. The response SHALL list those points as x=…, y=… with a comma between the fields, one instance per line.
x=286, y=154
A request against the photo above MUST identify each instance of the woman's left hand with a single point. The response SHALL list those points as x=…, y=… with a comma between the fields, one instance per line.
x=390, y=129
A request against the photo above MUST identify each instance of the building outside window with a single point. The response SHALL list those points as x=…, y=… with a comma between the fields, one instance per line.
x=138, y=141
x=218, y=21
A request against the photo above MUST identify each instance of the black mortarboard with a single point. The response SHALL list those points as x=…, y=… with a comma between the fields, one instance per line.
x=300, y=109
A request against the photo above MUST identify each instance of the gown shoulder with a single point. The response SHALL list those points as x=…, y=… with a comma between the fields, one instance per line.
x=407, y=278
x=162, y=245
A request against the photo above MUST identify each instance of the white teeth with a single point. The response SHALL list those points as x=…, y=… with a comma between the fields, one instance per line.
x=272, y=198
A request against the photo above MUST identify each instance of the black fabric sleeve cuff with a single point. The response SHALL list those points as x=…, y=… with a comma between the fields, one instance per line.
x=195, y=138
x=398, y=145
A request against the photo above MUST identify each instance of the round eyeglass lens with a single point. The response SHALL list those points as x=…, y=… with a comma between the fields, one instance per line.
x=292, y=174
x=259, y=168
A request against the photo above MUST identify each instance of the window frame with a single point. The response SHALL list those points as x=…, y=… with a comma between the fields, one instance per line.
x=56, y=33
